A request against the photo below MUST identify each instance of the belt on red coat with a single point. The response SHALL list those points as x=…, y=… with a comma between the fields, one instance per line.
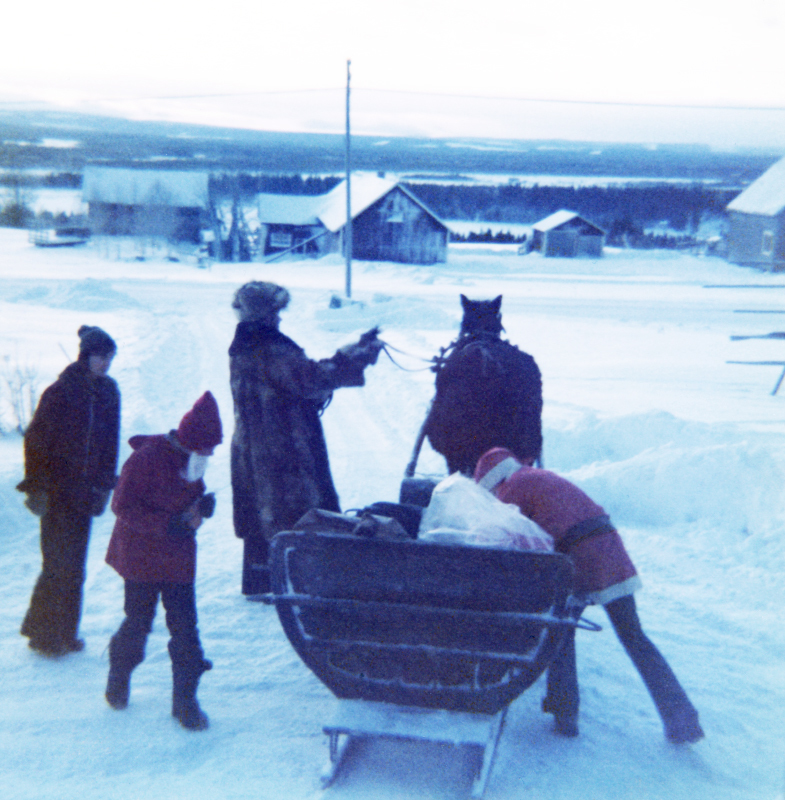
x=596, y=526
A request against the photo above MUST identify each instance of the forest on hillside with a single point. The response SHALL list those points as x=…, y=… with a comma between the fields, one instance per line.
x=622, y=211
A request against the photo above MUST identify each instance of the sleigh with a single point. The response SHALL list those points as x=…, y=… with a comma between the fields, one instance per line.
x=420, y=640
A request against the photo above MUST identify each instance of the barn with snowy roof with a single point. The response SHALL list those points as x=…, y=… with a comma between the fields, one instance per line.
x=388, y=223
x=565, y=233
x=756, y=222
x=171, y=204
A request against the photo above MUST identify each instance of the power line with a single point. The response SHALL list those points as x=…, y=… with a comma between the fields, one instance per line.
x=487, y=98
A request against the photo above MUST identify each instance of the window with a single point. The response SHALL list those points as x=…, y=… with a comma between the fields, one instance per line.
x=281, y=240
x=767, y=245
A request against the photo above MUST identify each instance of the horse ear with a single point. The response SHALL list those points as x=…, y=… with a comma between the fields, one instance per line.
x=497, y=304
x=464, y=301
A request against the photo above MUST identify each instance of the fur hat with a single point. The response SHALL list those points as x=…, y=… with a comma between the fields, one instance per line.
x=200, y=428
x=94, y=341
x=260, y=299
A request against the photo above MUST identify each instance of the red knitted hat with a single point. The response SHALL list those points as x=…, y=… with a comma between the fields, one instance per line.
x=200, y=428
x=489, y=460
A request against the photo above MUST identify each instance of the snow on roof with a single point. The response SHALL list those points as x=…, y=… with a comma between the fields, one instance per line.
x=330, y=209
x=180, y=188
x=288, y=209
x=365, y=191
x=764, y=196
x=554, y=220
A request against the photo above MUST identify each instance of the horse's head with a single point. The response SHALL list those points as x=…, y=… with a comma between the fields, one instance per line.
x=481, y=316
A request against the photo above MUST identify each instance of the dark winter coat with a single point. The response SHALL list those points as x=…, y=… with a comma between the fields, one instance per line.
x=579, y=527
x=71, y=445
x=488, y=394
x=280, y=467
x=152, y=492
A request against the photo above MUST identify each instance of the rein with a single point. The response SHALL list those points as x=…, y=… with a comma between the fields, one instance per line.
x=387, y=347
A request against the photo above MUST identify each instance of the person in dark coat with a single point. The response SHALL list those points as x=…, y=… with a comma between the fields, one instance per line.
x=280, y=468
x=160, y=502
x=605, y=575
x=71, y=449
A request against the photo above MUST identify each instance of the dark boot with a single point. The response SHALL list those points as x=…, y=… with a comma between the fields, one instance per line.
x=118, y=690
x=565, y=720
x=563, y=697
x=125, y=653
x=682, y=726
x=185, y=706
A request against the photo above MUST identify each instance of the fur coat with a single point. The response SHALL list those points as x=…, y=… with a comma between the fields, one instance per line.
x=71, y=445
x=150, y=492
x=279, y=462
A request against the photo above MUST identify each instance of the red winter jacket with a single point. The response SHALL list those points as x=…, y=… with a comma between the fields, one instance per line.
x=579, y=527
x=152, y=490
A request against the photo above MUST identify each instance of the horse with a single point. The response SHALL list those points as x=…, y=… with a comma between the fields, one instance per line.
x=488, y=393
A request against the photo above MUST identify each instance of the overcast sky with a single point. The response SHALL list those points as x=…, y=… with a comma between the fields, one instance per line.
x=703, y=53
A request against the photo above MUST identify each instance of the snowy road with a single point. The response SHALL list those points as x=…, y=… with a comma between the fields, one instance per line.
x=686, y=452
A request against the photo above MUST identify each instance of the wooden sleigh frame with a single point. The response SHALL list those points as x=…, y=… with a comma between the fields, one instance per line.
x=395, y=626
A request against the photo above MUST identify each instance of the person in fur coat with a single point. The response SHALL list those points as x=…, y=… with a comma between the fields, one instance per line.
x=160, y=502
x=71, y=449
x=280, y=468
x=604, y=575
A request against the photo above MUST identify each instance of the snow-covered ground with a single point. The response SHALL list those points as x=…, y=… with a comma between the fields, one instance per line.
x=685, y=451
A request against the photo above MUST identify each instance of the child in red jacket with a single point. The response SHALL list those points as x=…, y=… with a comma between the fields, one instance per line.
x=160, y=503
x=604, y=574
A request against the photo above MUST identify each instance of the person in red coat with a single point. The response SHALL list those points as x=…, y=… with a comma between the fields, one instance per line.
x=604, y=575
x=160, y=502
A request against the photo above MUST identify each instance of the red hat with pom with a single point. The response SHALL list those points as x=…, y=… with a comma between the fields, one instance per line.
x=200, y=428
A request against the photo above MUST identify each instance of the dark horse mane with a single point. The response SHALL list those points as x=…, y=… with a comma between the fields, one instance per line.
x=488, y=393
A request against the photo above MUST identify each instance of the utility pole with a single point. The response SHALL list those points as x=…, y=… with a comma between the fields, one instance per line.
x=348, y=227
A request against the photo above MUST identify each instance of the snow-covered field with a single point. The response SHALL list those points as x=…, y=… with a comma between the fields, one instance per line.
x=685, y=451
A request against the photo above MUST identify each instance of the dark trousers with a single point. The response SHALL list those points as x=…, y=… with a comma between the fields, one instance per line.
x=256, y=572
x=127, y=647
x=52, y=620
x=664, y=688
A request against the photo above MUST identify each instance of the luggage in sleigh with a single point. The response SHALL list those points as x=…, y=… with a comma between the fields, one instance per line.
x=420, y=640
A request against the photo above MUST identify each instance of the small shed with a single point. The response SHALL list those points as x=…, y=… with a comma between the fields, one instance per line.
x=756, y=222
x=172, y=204
x=388, y=223
x=565, y=233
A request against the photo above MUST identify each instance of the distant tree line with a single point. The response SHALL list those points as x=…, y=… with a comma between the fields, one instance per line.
x=488, y=236
x=246, y=185
x=631, y=206
x=54, y=180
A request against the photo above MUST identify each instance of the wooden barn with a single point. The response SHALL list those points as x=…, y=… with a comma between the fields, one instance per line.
x=756, y=222
x=167, y=204
x=388, y=223
x=565, y=233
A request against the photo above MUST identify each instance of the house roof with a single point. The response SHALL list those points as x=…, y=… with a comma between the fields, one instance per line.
x=559, y=218
x=131, y=187
x=288, y=209
x=330, y=209
x=764, y=196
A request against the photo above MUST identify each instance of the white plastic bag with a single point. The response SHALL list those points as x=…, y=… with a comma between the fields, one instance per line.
x=462, y=512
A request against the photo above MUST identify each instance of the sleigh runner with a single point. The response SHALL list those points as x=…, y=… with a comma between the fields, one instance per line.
x=398, y=627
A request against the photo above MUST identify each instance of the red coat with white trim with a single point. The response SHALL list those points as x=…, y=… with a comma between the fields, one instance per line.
x=150, y=492
x=579, y=527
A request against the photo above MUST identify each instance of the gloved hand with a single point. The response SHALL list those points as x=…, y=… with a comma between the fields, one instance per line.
x=37, y=501
x=99, y=499
x=369, y=346
x=37, y=495
x=206, y=505
x=370, y=336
